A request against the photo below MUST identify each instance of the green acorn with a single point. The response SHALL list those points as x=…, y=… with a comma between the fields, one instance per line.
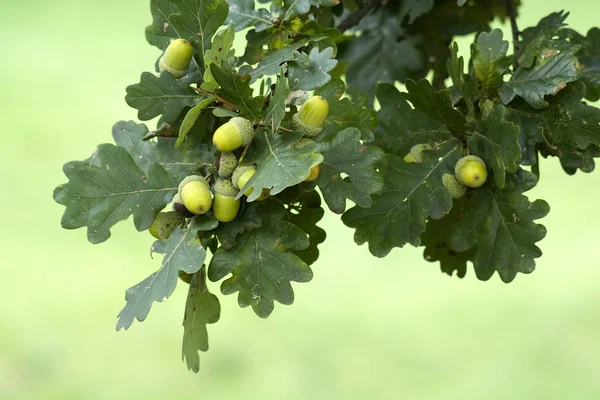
x=417, y=151
x=177, y=57
x=227, y=164
x=311, y=116
x=195, y=194
x=225, y=206
x=164, y=224
x=455, y=188
x=471, y=171
x=242, y=175
x=180, y=209
x=234, y=134
x=409, y=158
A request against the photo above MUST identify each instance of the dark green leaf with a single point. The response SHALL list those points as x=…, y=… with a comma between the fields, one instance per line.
x=279, y=164
x=415, y=8
x=275, y=113
x=412, y=193
x=109, y=188
x=271, y=64
x=308, y=72
x=201, y=308
x=163, y=95
x=179, y=162
x=349, y=171
x=462, y=82
x=497, y=143
x=243, y=14
x=401, y=127
x=220, y=53
x=190, y=119
x=287, y=9
x=589, y=62
x=435, y=104
x=305, y=212
x=228, y=232
x=236, y=90
x=541, y=38
x=183, y=252
x=489, y=59
x=501, y=223
x=262, y=268
x=547, y=77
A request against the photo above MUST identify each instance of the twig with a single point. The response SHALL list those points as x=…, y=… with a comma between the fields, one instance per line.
x=354, y=18
x=243, y=154
x=228, y=105
x=510, y=10
x=165, y=130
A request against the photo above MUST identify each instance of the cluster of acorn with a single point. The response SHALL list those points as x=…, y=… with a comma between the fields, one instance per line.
x=195, y=195
x=469, y=171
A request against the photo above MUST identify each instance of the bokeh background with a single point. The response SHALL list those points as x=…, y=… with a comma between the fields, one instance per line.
x=363, y=328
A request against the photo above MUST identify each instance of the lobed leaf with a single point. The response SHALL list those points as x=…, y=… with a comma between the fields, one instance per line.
x=489, y=59
x=309, y=72
x=242, y=14
x=236, y=90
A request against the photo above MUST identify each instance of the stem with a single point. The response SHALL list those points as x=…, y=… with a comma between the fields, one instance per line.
x=164, y=131
x=512, y=15
x=243, y=154
x=228, y=105
x=354, y=18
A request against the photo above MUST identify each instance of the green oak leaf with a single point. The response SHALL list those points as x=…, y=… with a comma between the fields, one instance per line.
x=415, y=8
x=567, y=127
x=228, y=232
x=190, y=119
x=163, y=95
x=489, y=59
x=401, y=127
x=275, y=112
x=436, y=240
x=547, y=77
x=195, y=20
x=262, y=44
x=412, y=193
x=262, y=268
x=305, y=212
x=462, y=82
x=179, y=162
x=279, y=163
x=242, y=14
x=435, y=104
x=501, y=223
x=220, y=52
x=541, y=38
x=589, y=62
x=497, y=143
x=271, y=64
x=183, y=252
x=310, y=71
x=109, y=188
x=236, y=90
x=288, y=9
x=349, y=170
x=201, y=308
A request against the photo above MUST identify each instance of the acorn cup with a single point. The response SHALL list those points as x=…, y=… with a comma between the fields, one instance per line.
x=455, y=188
x=195, y=194
x=164, y=224
x=471, y=171
x=312, y=116
x=227, y=164
x=225, y=206
x=232, y=135
x=242, y=175
x=177, y=57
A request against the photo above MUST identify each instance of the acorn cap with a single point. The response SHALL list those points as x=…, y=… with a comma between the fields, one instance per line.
x=309, y=131
x=455, y=188
x=245, y=128
x=314, y=111
x=227, y=164
x=304, y=142
x=239, y=171
x=417, y=151
x=225, y=188
x=177, y=57
x=188, y=179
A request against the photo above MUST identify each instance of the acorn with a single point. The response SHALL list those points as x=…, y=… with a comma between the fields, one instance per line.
x=242, y=175
x=314, y=173
x=311, y=116
x=227, y=163
x=177, y=57
x=471, y=171
x=417, y=152
x=195, y=194
x=225, y=207
x=180, y=209
x=164, y=224
x=234, y=134
x=455, y=188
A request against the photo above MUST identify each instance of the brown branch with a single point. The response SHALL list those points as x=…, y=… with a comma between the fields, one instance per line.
x=228, y=105
x=512, y=15
x=354, y=18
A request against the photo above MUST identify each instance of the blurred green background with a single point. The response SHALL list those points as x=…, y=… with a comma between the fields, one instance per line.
x=363, y=328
